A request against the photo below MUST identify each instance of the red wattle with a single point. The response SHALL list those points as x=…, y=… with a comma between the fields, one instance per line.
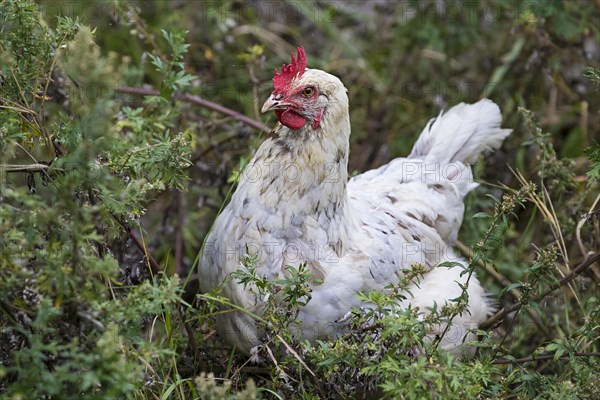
x=291, y=119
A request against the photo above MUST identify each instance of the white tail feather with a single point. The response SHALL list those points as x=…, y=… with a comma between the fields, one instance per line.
x=461, y=134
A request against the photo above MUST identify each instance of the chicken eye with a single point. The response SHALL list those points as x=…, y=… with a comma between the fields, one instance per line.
x=308, y=91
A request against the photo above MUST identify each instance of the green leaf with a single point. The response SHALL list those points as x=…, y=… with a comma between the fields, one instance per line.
x=481, y=215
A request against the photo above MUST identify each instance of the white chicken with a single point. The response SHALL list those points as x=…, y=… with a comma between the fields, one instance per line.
x=294, y=204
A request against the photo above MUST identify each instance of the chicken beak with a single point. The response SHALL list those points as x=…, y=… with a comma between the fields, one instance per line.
x=273, y=103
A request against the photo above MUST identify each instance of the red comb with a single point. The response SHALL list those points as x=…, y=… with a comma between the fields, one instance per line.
x=282, y=79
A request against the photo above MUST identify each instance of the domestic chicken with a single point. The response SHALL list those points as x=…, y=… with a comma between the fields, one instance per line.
x=294, y=204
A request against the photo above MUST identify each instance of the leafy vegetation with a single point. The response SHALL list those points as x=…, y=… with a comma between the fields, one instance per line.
x=124, y=127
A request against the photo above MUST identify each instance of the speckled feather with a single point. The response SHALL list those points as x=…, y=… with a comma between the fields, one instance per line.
x=295, y=204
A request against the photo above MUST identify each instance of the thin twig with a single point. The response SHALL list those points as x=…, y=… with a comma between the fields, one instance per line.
x=6, y=310
x=582, y=222
x=565, y=280
x=543, y=357
x=24, y=167
x=179, y=233
x=512, y=322
x=224, y=110
x=191, y=337
x=469, y=253
x=549, y=214
x=153, y=264
x=199, y=102
x=503, y=281
x=296, y=355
